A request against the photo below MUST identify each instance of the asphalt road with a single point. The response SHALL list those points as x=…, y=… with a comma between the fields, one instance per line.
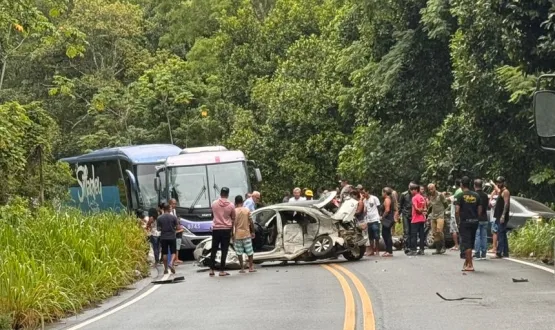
x=374, y=293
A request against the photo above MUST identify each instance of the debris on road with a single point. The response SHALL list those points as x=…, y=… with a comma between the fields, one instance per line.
x=176, y=279
x=455, y=299
x=521, y=280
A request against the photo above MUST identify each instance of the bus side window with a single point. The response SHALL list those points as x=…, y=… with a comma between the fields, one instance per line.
x=123, y=184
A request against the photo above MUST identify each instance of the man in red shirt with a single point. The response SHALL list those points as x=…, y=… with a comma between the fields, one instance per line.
x=418, y=220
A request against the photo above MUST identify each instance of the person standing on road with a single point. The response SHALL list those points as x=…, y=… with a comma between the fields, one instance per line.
x=224, y=216
x=309, y=195
x=468, y=212
x=453, y=228
x=437, y=217
x=167, y=225
x=418, y=221
x=154, y=234
x=243, y=233
x=373, y=221
x=405, y=205
x=345, y=190
x=296, y=196
x=250, y=203
x=481, y=243
x=286, y=197
x=501, y=214
x=494, y=227
x=387, y=221
x=179, y=231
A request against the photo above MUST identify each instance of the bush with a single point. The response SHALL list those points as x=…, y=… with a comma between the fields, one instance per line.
x=55, y=263
x=534, y=238
x=5, y=322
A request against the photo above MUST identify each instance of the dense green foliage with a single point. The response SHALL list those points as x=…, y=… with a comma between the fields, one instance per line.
x=533, y=240
x=380, y=91
x=55, y=262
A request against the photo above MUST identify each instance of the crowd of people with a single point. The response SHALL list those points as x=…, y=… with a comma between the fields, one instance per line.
x=422, y=206
x=416, y=208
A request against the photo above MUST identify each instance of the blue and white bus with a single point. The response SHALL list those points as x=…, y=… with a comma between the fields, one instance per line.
x=119, y=178
x=194, y=178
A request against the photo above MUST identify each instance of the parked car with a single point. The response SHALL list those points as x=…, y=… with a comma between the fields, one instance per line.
x=522, y=210
x=301, y=231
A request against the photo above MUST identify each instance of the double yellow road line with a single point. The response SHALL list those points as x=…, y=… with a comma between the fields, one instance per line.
x=369, y=323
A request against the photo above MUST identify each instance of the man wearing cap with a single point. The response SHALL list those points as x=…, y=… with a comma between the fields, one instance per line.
x=309, y=195
x=501, y=215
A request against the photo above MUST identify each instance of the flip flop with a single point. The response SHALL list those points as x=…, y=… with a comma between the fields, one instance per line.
x=252, y=271
x=224, y=274
x=212, y=274
x=467, y=270
x=242, y=271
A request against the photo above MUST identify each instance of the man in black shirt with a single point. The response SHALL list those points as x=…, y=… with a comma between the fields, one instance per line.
x=167, y=226
x=481, y=244
x=468, y=211
x=405, y=206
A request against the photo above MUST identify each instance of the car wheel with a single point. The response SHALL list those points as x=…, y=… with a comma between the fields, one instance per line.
x=355, y=254
x=322, y=246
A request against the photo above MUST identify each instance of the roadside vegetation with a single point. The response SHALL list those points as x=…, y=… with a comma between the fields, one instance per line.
x=56, y=262
x=534, y=240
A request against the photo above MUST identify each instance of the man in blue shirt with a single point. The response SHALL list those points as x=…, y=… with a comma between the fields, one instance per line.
x=252, y=201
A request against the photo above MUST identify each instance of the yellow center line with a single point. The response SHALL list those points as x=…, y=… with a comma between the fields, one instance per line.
x=368, y=312
x=349, y=323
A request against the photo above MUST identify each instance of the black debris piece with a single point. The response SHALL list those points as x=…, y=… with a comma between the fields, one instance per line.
x=521, y=280
x=455, y=299
x=170, y=280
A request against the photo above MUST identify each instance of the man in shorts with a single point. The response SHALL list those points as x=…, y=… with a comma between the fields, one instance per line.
x=373, y=220
x=178, y=232
x=468, y=212
x=167, y=225
x=243, y=233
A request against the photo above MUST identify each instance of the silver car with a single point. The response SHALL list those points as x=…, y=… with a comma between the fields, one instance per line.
x=301, y=231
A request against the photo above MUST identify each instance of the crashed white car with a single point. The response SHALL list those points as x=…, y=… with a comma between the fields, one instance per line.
x=300, y=231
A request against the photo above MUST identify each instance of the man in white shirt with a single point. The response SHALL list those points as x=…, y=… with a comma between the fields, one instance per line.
x=296, y=196
x=373, y=220
x=250, y=203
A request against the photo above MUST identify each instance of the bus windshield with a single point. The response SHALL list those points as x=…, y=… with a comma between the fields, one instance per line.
x=145, y=177
x=197, y=186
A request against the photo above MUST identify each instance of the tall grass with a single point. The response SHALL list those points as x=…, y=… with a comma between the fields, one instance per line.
x=54, y=263
x=534, y=238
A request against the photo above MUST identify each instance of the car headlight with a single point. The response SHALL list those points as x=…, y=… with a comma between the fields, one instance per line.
x=186, y=231
x=537, y=218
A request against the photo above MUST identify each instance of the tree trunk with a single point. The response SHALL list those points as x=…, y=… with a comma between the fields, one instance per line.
x=41, y=177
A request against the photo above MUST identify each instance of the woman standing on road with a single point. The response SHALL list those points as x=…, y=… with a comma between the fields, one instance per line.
x=387, y=221
x=154, y=234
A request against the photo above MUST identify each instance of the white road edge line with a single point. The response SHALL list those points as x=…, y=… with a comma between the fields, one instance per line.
x=549, y=270
x=119, y=308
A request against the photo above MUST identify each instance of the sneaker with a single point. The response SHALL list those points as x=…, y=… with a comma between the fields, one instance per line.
x=166, y=272
x=411, y=253
x=420, y=253
x=483, y=258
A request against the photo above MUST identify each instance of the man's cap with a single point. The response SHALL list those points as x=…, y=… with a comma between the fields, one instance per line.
x=309, y=193
x=359, y=186
x=225, y=190
x=500, y=179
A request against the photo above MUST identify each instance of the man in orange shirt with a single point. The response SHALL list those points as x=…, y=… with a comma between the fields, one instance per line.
x=418, y=220
x=243, y=233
